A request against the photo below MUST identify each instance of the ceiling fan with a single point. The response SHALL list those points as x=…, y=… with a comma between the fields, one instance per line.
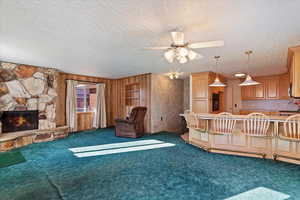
x=182, y=51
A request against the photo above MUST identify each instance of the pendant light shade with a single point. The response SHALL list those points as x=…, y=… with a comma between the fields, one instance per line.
x=249, y=81
x=217, y=82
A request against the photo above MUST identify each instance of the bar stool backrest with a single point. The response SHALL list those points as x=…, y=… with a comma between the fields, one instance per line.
x=195, y=123
x=256, y=124
x=224, y=123
x=291, y=128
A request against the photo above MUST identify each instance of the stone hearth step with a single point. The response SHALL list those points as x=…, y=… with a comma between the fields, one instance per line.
x=18, y=139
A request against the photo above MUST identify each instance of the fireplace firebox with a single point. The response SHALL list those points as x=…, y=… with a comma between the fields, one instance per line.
x=19, y=120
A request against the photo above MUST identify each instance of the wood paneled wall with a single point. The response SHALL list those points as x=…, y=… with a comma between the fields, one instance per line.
x=118, y=96
x=115, y=96
x=61, y=100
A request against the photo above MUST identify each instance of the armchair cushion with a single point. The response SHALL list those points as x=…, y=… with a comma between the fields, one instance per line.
x=132, y=126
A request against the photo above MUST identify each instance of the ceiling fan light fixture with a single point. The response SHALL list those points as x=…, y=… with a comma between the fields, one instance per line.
x=169, y=55
x=182, y=60
x=182, y=51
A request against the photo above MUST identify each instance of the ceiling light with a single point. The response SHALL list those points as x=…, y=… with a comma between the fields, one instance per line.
x=239, y=75
x=183, y=60
x=217, y=82
x=174, y=74
x=182, y=51
x=249, y=81
x=169, y=55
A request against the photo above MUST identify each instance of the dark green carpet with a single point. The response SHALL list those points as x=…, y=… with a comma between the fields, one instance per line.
x=180, y=172
x=11, y=158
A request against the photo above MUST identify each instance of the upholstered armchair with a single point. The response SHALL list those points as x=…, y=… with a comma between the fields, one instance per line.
x=133, y=126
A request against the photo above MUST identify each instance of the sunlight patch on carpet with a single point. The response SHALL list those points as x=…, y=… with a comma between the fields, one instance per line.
x=260, y=193
x=123, y=147
x=114, y=145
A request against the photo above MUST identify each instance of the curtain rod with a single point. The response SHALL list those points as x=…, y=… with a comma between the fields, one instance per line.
x=91, y=82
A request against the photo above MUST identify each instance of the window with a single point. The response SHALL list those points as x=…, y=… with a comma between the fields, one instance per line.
x=86, y=97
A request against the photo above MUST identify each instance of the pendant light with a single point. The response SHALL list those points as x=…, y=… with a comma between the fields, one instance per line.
x=249, y=81
x=217, y=82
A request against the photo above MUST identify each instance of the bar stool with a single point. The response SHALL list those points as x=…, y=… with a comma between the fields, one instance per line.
x=291, y=128
x=256, y=124
x=223, y=123
x=195, y=123
x=291, y=132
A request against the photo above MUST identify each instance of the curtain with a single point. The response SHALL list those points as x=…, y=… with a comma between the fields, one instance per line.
x=99, y=120
x=71, y=114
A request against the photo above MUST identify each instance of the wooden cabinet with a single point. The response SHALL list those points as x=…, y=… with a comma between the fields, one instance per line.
x=270, y=87
x=247, y=92
x=201, y=93
x=259, y=90
x=294, y=69
x=284, y=84
x=199, y=87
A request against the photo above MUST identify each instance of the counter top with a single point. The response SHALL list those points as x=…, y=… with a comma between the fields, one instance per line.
x=273, y=118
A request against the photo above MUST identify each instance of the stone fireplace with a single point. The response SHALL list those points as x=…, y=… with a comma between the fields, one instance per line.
x=28, y=105
x=29, y=89
x=13, y=121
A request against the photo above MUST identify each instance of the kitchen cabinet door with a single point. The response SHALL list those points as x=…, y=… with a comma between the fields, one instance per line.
x=272, y=88
x=248, y=92
x=284, y=84
x=259, y=90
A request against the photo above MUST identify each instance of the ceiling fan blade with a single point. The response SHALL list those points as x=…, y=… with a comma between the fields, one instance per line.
x=156, y=48
x=198, y=45
x=178, y=37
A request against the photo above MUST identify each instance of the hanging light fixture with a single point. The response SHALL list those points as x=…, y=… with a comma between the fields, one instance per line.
x=249, y=81
x=170, y=55
x=217, y=82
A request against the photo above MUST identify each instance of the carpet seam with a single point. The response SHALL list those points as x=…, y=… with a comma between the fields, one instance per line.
x=59, y=194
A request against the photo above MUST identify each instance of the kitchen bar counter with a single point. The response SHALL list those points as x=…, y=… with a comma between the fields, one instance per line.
x=240, y=144
x=273, y=118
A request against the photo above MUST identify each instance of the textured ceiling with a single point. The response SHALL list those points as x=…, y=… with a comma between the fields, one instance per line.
x=106, y=37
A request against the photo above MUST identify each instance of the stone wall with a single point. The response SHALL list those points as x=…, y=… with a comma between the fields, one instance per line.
x=166, y=103
x=24, y=87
